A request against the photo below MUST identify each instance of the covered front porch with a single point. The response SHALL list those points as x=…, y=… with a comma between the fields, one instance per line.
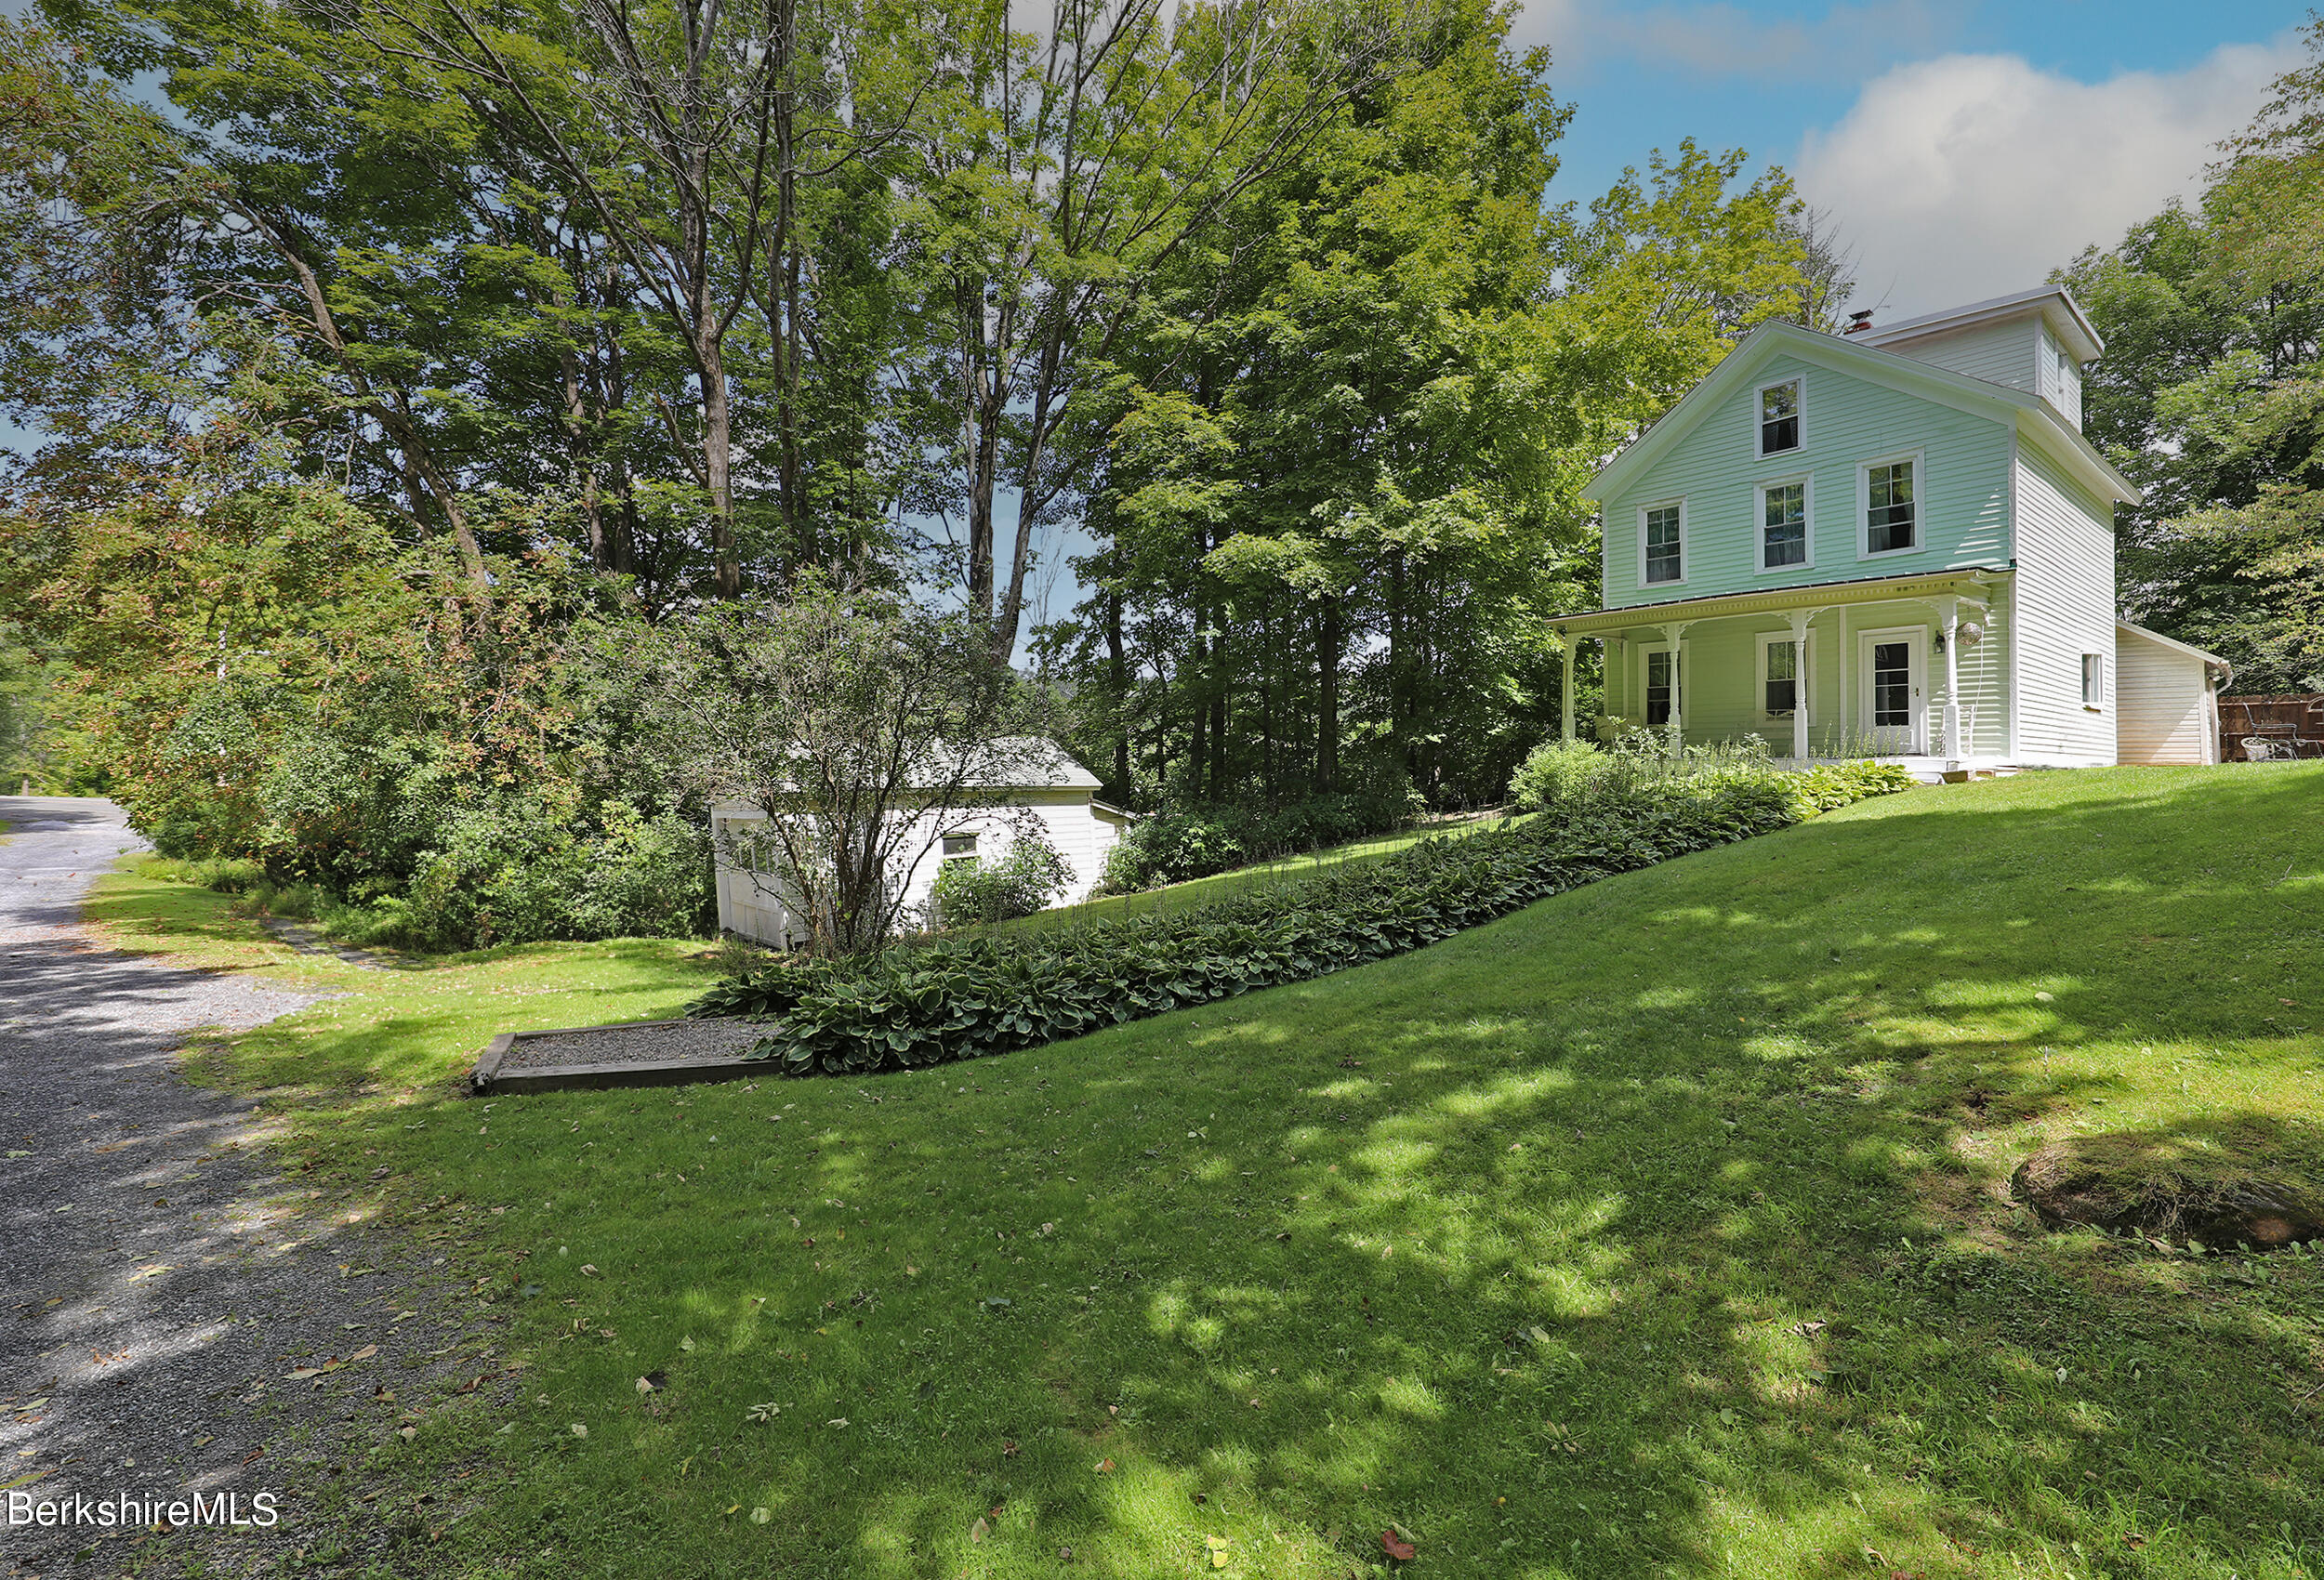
x=1910, y=668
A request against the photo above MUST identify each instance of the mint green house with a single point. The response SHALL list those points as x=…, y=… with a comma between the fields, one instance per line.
x=1894, y=542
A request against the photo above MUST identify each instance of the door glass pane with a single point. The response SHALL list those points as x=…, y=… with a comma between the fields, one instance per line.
x=1658, y=687
x=1892, y=684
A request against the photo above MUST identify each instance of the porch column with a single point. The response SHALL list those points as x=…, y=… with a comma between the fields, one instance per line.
x=1948, y=610
x=1679, y=680
x=1800, y=618
x=1565, y=687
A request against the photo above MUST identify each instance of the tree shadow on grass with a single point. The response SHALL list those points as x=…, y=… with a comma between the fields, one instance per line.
x=1660, y=1230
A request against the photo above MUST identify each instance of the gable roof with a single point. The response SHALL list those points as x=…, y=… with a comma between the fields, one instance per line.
x=2061, y=312
x=2211, y=660
x=2033, y=417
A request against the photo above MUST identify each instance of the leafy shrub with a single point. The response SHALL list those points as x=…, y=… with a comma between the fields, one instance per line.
x=906, y=1009
x=1827, y=785
x=970, y=890
x=1185, y=842
x=1558, y=774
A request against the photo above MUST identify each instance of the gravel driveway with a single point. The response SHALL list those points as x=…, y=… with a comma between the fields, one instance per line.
x=158, y=1280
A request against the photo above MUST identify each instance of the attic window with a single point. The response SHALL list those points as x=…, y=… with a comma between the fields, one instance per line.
x=1779, y=417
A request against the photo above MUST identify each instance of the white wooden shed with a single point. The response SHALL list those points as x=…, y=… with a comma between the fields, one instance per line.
x=1054, y=793
x=2166, y=697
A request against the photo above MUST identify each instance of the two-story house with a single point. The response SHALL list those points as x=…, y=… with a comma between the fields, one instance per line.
x=1895, y=542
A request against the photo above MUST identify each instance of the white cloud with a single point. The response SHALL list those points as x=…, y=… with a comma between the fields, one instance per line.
x=1971, y=176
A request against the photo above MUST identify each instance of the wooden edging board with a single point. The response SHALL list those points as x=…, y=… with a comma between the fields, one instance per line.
x=487, y=1079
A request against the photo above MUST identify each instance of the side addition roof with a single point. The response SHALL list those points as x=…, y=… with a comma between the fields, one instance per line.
x=2034, y=418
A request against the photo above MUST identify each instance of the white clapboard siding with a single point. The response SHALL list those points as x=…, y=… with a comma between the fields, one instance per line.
x=2000, y=353
x=2165, y=701
x=1083, y=831
x=2065, y=607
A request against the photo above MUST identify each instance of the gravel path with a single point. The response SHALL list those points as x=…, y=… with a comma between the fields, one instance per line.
x=158, y=1279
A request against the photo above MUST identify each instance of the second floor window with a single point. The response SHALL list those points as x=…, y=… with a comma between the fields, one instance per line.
x=1891, y=511
x=1665, y=544
x=1783, y=525
x=1779, y=417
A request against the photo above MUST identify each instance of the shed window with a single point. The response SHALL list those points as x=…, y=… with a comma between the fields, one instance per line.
x=959, y=844
x=2094, y=680
x=1665, y=544
x=1891, y=512
x=1779, y=417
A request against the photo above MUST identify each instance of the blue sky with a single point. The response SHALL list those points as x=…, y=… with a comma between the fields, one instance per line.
x=1965, y=147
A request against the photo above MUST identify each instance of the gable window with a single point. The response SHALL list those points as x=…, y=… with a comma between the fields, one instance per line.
x=1783, y=524
x=2094, y=681
x=1783, y=681
x=1662, y=542
x=958, y=846
x=1779, y=417
x=1892, y=505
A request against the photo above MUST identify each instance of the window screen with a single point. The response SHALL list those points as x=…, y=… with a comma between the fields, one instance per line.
x=1783, y=528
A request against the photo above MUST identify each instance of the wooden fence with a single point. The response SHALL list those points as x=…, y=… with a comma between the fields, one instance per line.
x=2291, y=720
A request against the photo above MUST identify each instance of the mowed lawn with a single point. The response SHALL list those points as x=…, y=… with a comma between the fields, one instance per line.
x=1661, y=1229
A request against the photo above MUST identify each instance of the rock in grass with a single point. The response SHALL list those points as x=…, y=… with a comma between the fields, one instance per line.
x=2239, y=1185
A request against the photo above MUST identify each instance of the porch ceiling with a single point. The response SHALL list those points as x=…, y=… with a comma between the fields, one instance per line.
x=1973, y=581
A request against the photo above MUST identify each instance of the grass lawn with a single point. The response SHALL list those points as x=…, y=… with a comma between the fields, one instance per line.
x=1660, y=1230
x=1205, y=890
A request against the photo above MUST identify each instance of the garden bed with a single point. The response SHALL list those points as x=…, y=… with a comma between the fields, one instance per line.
x=637, y=1053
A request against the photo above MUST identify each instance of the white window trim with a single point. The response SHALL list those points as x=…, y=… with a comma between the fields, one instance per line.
x=1684, y=541
x=1759, y=521
x=2082, y=682
x=1807, y=678
x=1920, y=505
x=1678, y=677
x=968, y=855
x=1759, y=389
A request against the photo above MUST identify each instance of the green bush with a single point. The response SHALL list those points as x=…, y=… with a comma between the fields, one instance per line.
x=906, y=1009
x=1185, y=842
x=1558, y=775
x=970, y=890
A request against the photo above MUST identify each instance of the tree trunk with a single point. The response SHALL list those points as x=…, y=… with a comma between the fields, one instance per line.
x=1327, y=642
x=1117, y=675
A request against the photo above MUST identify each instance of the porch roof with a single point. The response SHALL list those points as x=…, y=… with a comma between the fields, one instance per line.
x=1975, y=580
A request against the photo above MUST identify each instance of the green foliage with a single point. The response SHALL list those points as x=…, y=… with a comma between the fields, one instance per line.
x=969, y=889
x=2210, y=397
x=908, y=1008
x=1182, y=843
x=1558, y=774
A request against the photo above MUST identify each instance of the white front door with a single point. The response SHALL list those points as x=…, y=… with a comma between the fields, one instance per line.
x=1893, y=681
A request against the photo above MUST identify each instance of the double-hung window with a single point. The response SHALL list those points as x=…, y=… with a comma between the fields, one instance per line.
x=1783, y=524
x=1892, y=505
x=1662, y=542
x=1779, y=417
x=1782, y=677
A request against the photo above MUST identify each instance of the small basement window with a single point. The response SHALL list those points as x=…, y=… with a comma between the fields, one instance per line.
x=959, y=844
x=2094, y=680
